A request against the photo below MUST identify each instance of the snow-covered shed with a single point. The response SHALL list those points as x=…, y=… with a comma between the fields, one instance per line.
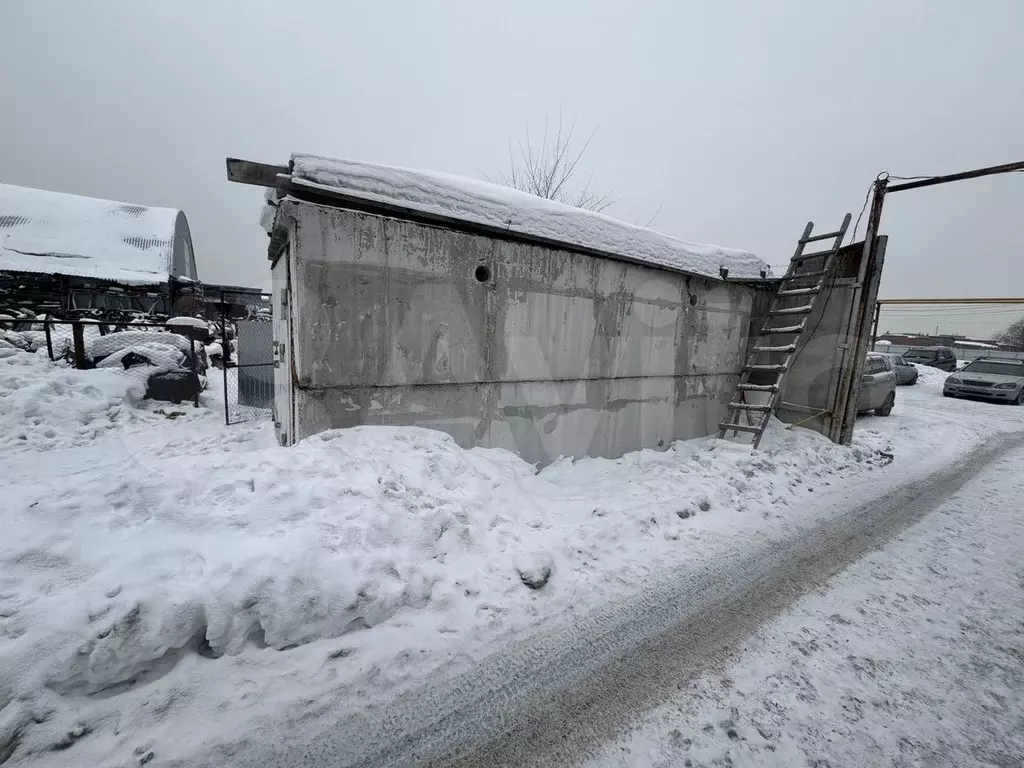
x=93, y=242
x=504, y=319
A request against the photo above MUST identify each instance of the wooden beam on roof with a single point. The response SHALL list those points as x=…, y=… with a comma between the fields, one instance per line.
x=257, y=174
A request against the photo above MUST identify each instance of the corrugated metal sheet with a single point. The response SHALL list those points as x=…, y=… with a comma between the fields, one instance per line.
x=47, y=232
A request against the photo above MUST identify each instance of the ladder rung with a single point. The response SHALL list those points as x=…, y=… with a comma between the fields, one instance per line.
x=740, y=428
x=785, y=348
x=783, y=329
x=799, y=291
x=802, y=275
x=750, y=407
x=758, y=387
x=769, y=368
x=801, y=310
x=826, y=236
x=818, y=255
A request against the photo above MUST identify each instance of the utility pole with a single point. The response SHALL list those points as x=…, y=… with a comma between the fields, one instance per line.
x=882, y=188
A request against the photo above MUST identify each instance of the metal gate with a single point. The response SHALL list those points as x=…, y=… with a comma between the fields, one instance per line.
x=248, y=365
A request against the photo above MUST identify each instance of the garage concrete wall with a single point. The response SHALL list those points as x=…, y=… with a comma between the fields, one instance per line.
x=504, y=344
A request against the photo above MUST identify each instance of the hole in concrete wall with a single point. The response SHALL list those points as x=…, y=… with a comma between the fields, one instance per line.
x=482, y=274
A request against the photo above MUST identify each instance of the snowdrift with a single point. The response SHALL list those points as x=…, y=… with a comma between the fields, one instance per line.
x=47, y=405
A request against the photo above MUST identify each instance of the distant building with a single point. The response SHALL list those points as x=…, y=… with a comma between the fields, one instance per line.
x=69, y=254
x=915, y=340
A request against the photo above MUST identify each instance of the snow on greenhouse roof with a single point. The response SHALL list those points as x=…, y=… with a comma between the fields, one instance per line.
x=518, y=213
x=46, y=232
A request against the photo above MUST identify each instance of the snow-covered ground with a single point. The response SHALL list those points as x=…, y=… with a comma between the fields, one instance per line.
x=161, y=574
x=912, y=656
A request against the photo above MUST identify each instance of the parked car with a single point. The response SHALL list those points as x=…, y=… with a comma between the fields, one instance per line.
x=878, y=385
x=991, y=378
x=936, y=357
x=906, y=373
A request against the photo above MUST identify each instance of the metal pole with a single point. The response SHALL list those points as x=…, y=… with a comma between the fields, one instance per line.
x=1018, y=300
x=990, y=171
x=224, y=359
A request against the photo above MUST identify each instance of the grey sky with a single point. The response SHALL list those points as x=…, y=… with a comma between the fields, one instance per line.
x=741, y=119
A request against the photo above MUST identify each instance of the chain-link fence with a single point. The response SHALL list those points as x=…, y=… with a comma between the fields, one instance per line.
x=168, y=359
x=248, y=370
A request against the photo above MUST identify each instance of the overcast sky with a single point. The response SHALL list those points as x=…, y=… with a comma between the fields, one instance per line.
x=740, y=119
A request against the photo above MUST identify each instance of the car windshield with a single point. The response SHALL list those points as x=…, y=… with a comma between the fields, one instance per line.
x=923, y=354
x=1013, y=368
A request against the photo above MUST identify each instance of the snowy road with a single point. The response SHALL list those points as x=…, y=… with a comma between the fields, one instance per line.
x=553, y=699
x=914, y=656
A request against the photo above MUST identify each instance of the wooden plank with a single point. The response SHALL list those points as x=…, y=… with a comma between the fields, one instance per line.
x=739, y=428
x=825, y=236
x=257, y=174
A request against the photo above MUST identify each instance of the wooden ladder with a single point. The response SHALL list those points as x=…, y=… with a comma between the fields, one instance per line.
x=766, y=377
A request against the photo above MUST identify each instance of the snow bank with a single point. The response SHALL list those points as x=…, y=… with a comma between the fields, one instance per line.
x=46, y=405
x=489, y=204
x=930, y=376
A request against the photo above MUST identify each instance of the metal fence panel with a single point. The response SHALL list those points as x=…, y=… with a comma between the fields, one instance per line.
x=249, y=375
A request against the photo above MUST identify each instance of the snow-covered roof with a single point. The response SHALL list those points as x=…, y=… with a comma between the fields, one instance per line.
x=518, y=213
x=47, y=232
x=973, y=344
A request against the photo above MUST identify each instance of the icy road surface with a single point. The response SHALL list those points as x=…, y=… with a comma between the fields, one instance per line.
x=912, y=656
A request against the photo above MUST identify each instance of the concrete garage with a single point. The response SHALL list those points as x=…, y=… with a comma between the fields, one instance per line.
x=409, y=298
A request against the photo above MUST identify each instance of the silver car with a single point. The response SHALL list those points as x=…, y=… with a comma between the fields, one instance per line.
x=906, y=372
x=991, y=378
x=878, y=385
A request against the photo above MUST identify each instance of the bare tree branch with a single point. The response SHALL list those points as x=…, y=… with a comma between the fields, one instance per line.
x=654, y=216
x=1013, y=335
x=551, y=170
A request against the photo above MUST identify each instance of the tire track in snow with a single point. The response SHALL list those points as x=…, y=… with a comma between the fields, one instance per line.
x=550, y=699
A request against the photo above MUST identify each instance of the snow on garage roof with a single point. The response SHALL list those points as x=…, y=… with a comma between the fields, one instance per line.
x=491, y=205
x=47, y=232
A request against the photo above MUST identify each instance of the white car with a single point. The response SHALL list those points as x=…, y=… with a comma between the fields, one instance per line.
x=991, y=378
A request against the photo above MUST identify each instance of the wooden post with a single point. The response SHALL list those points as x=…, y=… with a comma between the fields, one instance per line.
x=49, y=337
x=867, y=295
x=78, y=333
x=874, y=329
